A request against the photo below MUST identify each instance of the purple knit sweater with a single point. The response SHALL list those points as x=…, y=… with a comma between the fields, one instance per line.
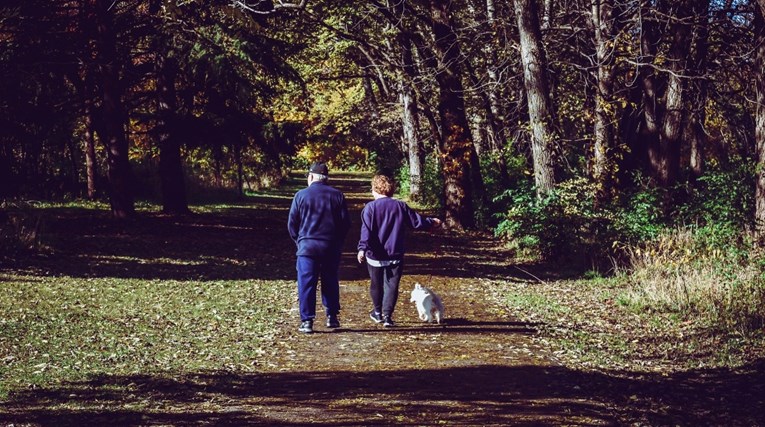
x=383, y=225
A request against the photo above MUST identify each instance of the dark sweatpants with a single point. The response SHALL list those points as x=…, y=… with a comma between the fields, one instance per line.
x=309, y=270
x=384, y=287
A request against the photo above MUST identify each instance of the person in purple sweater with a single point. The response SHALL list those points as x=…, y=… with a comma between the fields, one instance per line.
x=383, y=225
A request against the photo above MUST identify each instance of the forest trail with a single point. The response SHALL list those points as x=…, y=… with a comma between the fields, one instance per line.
x=479, y=368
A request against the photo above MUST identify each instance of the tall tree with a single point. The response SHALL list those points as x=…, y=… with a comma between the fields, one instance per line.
x=113, y=115
x=674, y=108
x=544, y=135
x=409, y=118
x=170, y=161
x=457, y=146
x=759, y=77
x=699, y=93
x=603, y=23
x=649, y=141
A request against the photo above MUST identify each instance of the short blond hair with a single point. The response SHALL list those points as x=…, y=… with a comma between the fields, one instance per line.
x=384, y=185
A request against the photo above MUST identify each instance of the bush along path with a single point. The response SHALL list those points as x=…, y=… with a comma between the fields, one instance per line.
x=203, y=318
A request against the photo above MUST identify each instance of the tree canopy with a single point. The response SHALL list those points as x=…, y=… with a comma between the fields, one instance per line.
x=470, y=103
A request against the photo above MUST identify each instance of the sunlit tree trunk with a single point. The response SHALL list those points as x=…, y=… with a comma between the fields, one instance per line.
x=89, y=137
x=604, y=133
x=425, y=60
x=457, y=148
x=538, y=95
x=409, y=119
x=760, y=118
x=89, y=113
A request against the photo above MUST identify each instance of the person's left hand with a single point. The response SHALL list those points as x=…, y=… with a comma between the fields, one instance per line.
x=360, y=256
x=437, y=222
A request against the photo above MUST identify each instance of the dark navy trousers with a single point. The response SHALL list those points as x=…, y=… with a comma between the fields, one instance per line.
x=384, y=287
x=310, y=270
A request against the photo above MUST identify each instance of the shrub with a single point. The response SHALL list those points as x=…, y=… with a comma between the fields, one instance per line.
x=563, y=224
x=722, y=197
x=640, y=217
x=432, y=183
x=496, y=184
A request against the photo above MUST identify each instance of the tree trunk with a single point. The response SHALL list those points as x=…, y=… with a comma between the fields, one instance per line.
x=74, y=154
x=496, y=119
x=672, y=127
x=759, y=21
x=170, y=160
x=651, y=108
x=456, y=144
x=603, y=161
x=538, y=95
x=409, y=120
x=696, y=134
x=239, y=169
x=90, y=111
x=113, y=115
x=90, y=146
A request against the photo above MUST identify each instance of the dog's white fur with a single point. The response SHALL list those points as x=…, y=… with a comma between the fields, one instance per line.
x=428, y=303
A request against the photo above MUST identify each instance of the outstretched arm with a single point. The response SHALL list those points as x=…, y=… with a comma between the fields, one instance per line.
x=418, y=222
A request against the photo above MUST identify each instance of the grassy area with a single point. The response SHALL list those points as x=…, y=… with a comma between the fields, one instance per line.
x=83, y=296
x=61, y=329
x=681, y=304
x=589, y=325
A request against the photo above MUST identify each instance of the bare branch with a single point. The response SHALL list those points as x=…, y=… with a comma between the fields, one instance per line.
x=265, y=7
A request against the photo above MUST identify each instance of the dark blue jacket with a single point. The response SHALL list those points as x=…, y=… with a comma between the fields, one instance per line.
x=318, y=220
x=383, y=223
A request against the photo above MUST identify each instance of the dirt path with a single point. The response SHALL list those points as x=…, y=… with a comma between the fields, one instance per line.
x=480, y=368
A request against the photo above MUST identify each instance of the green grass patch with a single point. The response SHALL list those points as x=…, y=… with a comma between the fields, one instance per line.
x=62, y=329
x=531, y=302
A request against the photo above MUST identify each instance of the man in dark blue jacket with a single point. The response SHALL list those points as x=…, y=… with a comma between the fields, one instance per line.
x=318, y=222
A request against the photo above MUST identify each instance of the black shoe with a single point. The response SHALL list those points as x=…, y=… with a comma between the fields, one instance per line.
x=375, y=316
x=306, y=327
x=388, y=322
x=332, y=321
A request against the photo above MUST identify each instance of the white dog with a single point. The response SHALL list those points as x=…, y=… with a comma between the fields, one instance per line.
x=429, y=305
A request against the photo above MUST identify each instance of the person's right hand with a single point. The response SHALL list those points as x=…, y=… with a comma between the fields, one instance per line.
x=360, y=256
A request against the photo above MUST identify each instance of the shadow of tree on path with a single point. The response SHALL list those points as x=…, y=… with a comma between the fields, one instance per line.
x=470, y=395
